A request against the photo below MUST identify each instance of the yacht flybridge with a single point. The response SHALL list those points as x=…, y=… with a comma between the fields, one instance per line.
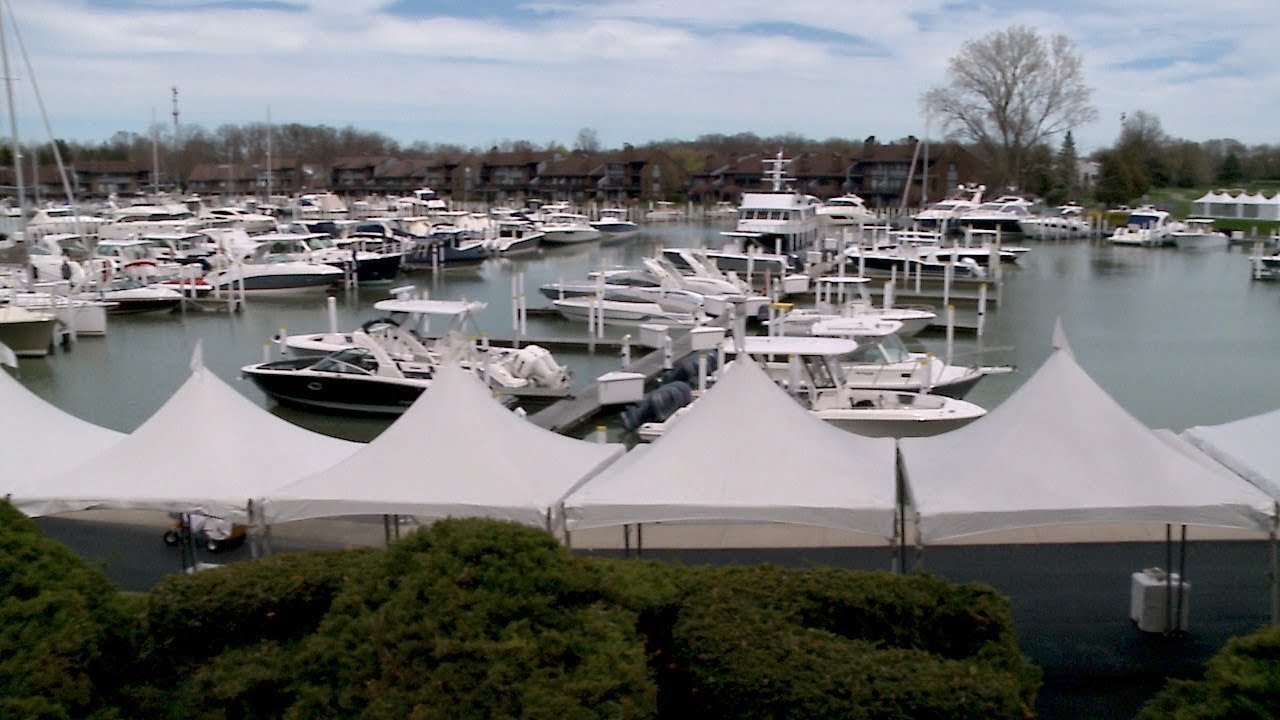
x=778, y=220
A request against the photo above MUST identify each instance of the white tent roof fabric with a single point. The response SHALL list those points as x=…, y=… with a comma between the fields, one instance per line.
x=1061, y=451
x=455, y=453
x=746, y=452
x=40, y=440
x=1248, y=446
x=208, y=450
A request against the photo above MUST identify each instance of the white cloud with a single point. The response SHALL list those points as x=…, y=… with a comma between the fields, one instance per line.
x=634, y=70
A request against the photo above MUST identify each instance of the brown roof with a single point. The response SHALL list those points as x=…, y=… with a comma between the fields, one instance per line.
x=571, y=166
x=117, y=167
x=359, y=162
x=210, y=172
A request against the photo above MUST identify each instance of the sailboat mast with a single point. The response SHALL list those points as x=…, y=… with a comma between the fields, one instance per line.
x=13, y=124
x=270, y=169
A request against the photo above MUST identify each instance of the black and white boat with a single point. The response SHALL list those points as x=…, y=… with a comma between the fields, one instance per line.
x=268, y=274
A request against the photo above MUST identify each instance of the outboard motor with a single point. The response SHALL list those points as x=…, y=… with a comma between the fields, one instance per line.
x=658, y=405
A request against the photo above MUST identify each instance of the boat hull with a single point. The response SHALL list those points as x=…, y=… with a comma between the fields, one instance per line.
x=332, y=392
x=28, y=338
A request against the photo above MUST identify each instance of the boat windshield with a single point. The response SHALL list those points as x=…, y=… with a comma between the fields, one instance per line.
x=353, y=361
x=887, y=349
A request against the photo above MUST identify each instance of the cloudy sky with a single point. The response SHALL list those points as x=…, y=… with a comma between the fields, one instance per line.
x=476, y=72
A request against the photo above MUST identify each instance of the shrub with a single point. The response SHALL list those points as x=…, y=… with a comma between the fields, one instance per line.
x=1241, y=681
x=475, y=619
x=64, y=634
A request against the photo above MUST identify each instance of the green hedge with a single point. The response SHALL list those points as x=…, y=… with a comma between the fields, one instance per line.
x=64, y=629
x=476, y=619
x=471, y=618
x=1241, y=681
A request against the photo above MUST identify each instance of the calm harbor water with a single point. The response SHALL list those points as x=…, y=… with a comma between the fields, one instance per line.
x=1177, y=338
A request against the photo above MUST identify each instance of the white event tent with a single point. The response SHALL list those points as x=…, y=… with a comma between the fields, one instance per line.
x=1061, y=451
x=746, y=452
x=37, y=439
x=1248, y=446
x=207, y=450
x=456, y=452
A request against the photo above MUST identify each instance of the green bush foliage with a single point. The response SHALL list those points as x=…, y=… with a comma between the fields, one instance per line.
x=476, y=619
x=64, y=630
x=1241, y=681
x=472, y=618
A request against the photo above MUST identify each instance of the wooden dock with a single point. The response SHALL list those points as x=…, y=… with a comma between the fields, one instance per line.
x=573, y=412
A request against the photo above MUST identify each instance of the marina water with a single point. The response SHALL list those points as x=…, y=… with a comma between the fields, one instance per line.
x=1177, y=338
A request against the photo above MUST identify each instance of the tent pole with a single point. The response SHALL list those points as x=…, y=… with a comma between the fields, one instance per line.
x=395, y=519
x=626, y=540
x=1275, y=577
x=919, y=564
x=386, y=529
x=639, y=540
x=255, y=550
x=1182, y=579
x=1168, y=578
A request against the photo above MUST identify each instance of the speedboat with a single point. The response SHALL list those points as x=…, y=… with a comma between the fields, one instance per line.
x=622, y=312
x=359, y=379
x=870, y=363
x=1005, y=214
x=268, y=274
x=563, y=228
x=406, y=334
x=847, y=209
x=664, y=211
x=512, y=236
x=813, y=381
x=130, y=297
x=1069, y=222
x=1198, y=235
x=369, y=377
x=944, y=213
x=1146, y=226
x=614, y=224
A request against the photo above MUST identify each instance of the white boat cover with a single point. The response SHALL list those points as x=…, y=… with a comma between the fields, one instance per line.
x=1248, y=446
x=1061, y=451
x=37, y=439
x=456, y=452
x=207, y=450
x=746, y=452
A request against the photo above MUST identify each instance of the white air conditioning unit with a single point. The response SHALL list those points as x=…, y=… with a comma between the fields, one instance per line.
x=1147, y=605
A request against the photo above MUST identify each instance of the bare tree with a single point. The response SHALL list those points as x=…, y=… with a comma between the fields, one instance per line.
x=1010, y=91
x=588, y=141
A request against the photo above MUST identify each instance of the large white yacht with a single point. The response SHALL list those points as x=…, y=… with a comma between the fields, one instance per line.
x=945, y=212
x=778, y=220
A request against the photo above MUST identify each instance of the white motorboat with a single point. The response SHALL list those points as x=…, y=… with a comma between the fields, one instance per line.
x=250, y=222
x=563, y=228
x=78, y=316
x=1068, y=222
x=62, y=220
x=620, y=312
x=1147, y=227
x=615, y=224
x=405, y=337
x=664, y=211
x=813, y=379
x=267, y=274
x=847, y=209
x=943, y=214
x=26, y=332
x=135, y=259
x=1004, y=213
x=874, y=363
x=1198, y=234
x=779, y=220
x=130, y=297
x=512, y=236
x=134, y=220
x=836, y=313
